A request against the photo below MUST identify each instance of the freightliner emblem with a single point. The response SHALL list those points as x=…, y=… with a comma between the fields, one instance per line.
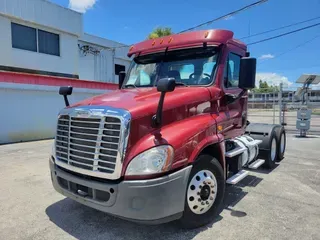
x=87, y=113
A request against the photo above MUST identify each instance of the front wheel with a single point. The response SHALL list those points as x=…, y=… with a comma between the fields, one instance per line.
x=204, y=197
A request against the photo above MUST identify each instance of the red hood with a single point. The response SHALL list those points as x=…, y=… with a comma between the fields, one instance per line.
x=142, y=102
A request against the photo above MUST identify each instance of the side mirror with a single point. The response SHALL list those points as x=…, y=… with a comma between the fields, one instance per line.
x=166, y=85
x=247, y=78
x=66, y=91
x=122, y=76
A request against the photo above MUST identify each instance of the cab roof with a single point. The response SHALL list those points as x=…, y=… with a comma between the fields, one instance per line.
x=188, y=39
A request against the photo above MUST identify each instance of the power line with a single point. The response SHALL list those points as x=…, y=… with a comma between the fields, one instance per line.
x=253, y=35
x=289, y=50
x=279, y=28
x=226, y=15
x=214, y=20
x=284, y=34
x=294, y=48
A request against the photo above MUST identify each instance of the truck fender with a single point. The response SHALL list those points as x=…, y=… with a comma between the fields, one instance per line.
x=212, y=145
x=187, y=137
x=262, y=131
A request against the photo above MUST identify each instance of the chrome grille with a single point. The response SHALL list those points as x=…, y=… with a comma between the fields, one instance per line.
x=89, y=143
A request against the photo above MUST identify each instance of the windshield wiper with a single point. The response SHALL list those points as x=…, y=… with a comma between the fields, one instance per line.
x=181, y=84
x=130, y=85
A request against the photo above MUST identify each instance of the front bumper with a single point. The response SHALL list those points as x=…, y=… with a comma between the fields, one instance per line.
x=146, y=201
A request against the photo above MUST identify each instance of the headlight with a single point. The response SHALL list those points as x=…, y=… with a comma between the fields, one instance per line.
x=154, y=160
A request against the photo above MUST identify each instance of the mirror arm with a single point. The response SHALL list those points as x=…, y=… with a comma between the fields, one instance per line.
x=157, y=118
x=235, y=98
x=66, y=101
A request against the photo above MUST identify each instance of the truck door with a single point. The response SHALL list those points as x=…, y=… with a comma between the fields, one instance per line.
x=236, y=111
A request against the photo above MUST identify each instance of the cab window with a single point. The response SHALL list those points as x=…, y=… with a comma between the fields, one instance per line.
x=232, y=71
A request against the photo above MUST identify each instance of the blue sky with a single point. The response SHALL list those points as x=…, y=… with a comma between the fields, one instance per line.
x=130, y=21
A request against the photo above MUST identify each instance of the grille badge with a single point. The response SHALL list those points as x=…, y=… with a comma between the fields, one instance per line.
x=87, y=113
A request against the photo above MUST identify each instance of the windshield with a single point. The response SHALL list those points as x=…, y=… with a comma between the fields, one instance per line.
x=190, y=67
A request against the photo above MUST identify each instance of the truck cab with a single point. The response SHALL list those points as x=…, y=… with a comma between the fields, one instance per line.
x=164, y=146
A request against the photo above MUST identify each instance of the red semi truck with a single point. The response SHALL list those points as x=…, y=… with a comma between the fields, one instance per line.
x=164, y=146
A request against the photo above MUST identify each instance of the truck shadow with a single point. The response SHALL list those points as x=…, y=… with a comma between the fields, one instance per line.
x=235, y=193
x=83, y=222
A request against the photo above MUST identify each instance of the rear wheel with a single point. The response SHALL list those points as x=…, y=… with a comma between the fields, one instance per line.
x=281, y=144
x=271, y=155
x=205, y=192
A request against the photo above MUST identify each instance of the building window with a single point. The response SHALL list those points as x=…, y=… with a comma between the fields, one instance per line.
x=36, y=40
x=119, y=68
x=48, y=43
x=24, y=37
x=232, y=71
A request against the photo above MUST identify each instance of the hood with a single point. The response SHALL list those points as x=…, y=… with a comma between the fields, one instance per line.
x=141, y=102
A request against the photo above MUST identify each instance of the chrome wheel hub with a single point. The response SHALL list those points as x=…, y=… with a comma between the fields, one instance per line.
x=202, y=192
x=273, y=149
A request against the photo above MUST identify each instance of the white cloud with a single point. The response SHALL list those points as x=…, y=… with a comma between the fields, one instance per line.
x=272, y=79
x=81, y=5
x=266, y=56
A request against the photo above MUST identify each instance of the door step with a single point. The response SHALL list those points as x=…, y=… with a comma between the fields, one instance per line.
x=235, y=152
x=256, y=164
x=253, y=143
x=237, y=177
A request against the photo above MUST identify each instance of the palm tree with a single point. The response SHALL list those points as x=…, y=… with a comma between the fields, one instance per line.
x=160, y=32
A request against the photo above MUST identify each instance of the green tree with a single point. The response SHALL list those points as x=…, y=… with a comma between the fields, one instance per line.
x=265, y=88
x=160, y=32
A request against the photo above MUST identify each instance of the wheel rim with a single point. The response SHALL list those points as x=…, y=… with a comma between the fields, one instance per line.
x=282, y=143
x=202, y=191
x=273, y=149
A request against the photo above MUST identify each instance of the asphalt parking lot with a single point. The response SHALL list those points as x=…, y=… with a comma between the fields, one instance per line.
x=281, y=204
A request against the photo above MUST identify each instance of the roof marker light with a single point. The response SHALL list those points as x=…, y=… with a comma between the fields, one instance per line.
x=131, y=48
x=170, y=40
x=153, y=43
x=206, y=34
x=161, y=41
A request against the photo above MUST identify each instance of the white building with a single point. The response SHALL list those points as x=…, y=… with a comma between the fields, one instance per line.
x=47, y=40
x=38, y=36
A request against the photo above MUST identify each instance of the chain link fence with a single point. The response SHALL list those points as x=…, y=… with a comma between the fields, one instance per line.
x=280, y=106
x=263, y=107
x=295, y=99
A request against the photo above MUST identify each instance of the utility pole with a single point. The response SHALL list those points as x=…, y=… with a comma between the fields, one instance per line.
x=280, y=104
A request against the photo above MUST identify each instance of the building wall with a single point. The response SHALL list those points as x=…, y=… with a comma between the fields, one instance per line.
x=44, y=13
x=35, y=104
x=101, y=67
x=67, y=62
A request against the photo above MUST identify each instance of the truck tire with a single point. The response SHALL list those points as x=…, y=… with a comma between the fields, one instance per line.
x=282, y=141
x=269, y=148
x=205, y=192
x=271, y=154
